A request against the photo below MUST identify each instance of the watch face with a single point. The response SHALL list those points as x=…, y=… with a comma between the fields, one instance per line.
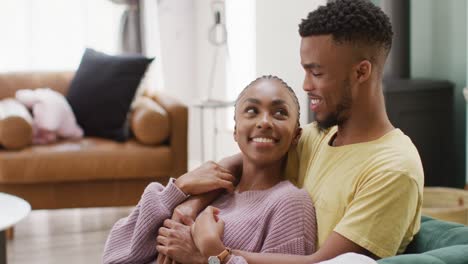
x=214, y=260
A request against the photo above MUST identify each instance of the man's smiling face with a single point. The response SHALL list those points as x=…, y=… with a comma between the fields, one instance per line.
x=327, y=69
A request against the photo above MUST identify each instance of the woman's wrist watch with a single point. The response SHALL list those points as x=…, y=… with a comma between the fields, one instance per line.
x=220, y=258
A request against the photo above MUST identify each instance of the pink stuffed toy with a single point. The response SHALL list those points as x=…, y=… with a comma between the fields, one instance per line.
x=53, y=117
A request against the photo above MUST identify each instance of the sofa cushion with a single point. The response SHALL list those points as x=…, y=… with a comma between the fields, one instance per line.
x=149, y=122
x=102, y=90
x=435, y=234
x=447, y=255
x=436, y=242
x=87, y=159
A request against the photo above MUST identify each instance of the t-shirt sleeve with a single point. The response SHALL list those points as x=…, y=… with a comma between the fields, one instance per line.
x=381, y=212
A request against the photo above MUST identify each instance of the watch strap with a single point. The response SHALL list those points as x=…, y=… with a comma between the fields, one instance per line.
x=223, y=255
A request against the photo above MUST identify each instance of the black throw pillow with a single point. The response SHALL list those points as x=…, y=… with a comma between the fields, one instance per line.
x=102, y=90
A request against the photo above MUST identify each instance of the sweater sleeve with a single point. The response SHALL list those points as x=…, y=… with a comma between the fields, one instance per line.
x=133, y=238
x=293, y=228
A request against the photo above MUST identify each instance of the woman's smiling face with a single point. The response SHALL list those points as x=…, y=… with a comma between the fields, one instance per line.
x=266, y=121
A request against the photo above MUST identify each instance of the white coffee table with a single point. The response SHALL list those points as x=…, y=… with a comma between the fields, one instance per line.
x=12, y=210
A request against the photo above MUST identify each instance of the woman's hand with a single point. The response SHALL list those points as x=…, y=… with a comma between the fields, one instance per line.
x=208, y=177
x=207, y=232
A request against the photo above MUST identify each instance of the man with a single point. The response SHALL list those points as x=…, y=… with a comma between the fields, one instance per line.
x=364, y=176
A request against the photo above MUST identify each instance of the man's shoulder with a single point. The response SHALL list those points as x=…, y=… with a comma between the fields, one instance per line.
x=397, y=151
x=395, y=154
x=312, y=130
x=313, y=136
x=391, y=154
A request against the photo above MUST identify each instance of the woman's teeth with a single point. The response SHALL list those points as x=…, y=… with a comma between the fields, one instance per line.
x=315, y=101
x=263, y=140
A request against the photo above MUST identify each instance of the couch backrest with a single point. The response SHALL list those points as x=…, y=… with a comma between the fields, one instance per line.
x=12, y=81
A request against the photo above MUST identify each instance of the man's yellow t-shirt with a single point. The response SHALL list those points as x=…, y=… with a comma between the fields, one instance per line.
x=370, y=193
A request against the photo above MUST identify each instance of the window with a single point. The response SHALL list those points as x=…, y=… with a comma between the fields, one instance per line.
x=52, y=34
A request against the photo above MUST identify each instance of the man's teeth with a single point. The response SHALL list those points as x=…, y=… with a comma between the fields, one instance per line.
x=263, y=140
x=315, y=101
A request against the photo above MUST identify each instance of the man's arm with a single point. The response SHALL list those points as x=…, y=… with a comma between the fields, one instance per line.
x=196, y=204
x=334, y=246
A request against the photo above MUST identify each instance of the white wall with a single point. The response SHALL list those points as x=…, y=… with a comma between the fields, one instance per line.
x=177, y=27
x=187, y=56
x=278, y=42
x=210, y=71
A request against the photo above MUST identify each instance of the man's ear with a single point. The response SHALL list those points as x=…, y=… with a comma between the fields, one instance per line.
x=297, y=136
x=363, y=71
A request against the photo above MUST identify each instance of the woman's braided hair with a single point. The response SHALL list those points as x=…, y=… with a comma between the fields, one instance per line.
x=283, y=84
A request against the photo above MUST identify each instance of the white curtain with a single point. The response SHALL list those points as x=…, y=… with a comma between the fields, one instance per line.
x=151, y=44
x=52, y=34
x=130, y=27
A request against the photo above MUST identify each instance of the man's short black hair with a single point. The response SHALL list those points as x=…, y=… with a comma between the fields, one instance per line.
x=355, y=21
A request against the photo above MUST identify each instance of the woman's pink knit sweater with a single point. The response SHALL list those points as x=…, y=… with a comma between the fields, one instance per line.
x=278, y=220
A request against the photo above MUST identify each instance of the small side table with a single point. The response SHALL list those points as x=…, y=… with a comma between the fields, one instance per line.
x=213, y=105
x=13, y=209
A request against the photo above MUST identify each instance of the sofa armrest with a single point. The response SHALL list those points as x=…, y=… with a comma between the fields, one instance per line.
x=178, y=122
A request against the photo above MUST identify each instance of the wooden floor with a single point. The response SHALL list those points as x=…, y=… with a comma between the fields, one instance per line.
x=71, y=236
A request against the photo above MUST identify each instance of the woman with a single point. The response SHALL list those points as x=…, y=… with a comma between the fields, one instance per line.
x=265, y=213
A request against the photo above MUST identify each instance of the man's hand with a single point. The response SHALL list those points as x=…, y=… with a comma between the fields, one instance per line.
x=196, y=204
x=175, y=241
x=207, y=232
x=186, y=213
x=208, y=177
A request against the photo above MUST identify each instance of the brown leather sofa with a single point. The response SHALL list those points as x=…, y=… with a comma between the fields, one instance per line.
x=91, y=172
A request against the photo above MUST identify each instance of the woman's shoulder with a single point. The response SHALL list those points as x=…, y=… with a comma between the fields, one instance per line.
x=285, y=193
x=287, y=187
x=292, y=205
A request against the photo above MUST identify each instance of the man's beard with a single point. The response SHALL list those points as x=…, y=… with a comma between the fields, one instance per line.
x=339, y=116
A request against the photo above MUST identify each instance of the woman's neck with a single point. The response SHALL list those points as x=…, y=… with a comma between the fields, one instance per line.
x=256, y=177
